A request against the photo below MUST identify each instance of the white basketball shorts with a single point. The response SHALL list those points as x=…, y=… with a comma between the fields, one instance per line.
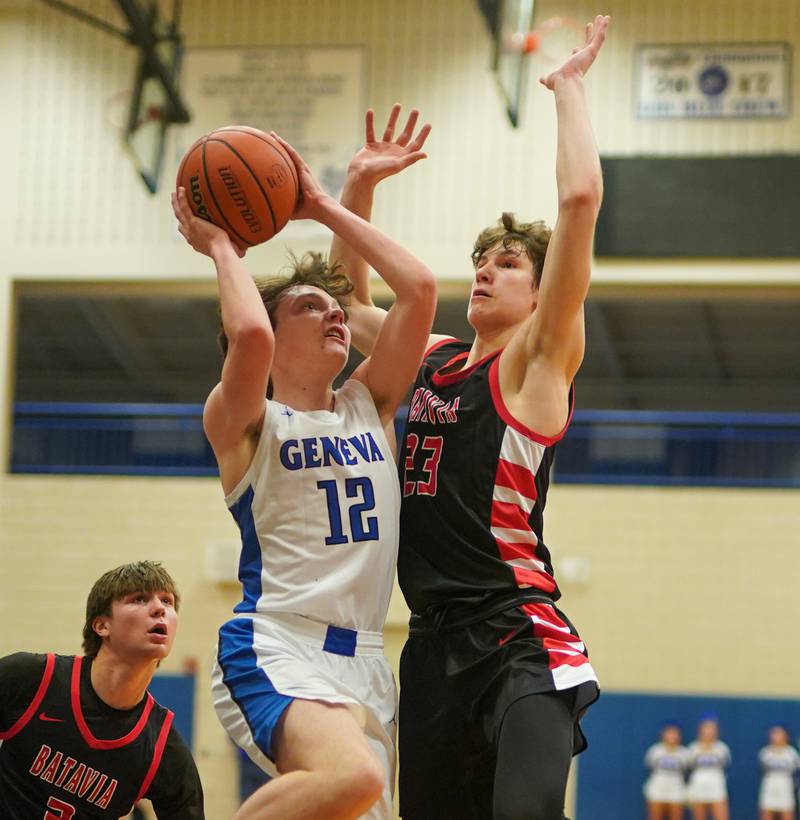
x=263, y=662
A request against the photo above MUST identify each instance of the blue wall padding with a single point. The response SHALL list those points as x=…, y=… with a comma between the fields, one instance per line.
x=176, y=692
x=621, y=727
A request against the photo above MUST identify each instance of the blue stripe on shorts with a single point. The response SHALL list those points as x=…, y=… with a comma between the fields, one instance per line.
x=248, y=684
x=340, y=641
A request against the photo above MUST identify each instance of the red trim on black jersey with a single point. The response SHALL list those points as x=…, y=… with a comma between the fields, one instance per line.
x=505, y=413
x=440, y=380
x=25, y=717
x=535, y=578
x=92, y=741
x=564, y=646
x=516, y=477
x=436, y=345
x=509, y=516
x=158, y=753
x=510, y=550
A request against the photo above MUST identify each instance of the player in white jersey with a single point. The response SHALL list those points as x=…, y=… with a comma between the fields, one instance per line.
x=779, y=762
x=300, y=680
x=707, y=792
x=665, y=789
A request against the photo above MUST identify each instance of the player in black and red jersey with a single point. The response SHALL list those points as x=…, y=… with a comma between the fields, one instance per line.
x=81, y=737
x=494, y=677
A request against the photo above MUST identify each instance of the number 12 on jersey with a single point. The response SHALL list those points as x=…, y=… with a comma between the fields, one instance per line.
x=361, y=529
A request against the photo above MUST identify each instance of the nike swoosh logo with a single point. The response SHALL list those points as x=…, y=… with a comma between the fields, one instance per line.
x=43, y=716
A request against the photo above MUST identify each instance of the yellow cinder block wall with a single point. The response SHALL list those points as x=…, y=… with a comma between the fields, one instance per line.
x=686, y=585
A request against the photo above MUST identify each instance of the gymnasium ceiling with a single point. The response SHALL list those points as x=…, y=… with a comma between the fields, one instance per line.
x=692, y=351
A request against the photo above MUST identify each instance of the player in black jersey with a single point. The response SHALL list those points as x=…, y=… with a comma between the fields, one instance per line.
x=81, y=737
x=493, y=678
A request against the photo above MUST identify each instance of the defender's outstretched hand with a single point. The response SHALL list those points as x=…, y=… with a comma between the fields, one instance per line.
x=582, y=56
x=311, y=192
x=379, y=159
x=199, y=233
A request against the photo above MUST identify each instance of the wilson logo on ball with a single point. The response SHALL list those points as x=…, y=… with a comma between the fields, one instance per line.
x=197, y=198
x=240, y=200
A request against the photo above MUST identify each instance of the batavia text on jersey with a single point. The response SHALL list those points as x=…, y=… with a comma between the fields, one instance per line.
x=84, y=780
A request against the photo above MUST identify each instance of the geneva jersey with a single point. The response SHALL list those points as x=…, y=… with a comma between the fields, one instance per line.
x=318, y=511
x=474, y=483
x=67, y=754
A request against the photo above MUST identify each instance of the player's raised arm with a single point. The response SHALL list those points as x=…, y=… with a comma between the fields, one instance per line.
x=556, y=330
x=374, y=162
x=403, y=336
x=236, y=404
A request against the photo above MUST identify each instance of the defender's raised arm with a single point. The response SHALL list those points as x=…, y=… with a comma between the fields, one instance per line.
x=557, y=330
x=377, y=160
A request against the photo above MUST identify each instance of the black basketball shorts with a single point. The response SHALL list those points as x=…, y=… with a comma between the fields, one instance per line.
x=456, y=683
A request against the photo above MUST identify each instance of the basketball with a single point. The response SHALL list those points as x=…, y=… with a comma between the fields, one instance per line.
x=242, y=180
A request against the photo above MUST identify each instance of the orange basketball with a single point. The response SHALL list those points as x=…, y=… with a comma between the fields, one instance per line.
x=242, y=180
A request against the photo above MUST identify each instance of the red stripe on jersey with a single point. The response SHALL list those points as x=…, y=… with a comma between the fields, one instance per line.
x=92, y=741
x=511, y=517
x=509, y=551
x=533, y=578
x=507, y=515
x=440, y=380
x=158, y=753
x=505, y=413
x=561, y=645
x=545, y=613
x=516, y=478
x=47, y=676
x=561, y=656
x=437, y=344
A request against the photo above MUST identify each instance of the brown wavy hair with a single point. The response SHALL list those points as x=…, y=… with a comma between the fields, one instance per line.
x=310, y=269
x=532, y=237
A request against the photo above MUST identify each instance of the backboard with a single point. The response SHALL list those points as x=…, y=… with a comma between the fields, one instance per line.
x=509, y=21
x=510, y=60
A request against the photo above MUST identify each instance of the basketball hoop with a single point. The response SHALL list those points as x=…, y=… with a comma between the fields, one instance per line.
x=517, y=39
x=552, y=41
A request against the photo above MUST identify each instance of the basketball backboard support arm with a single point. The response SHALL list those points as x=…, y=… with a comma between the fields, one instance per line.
x=155, y=96
x=156, y=101
x=84, y=16
x=144, y=35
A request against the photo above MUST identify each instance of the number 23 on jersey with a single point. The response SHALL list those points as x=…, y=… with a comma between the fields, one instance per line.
x=422, y=461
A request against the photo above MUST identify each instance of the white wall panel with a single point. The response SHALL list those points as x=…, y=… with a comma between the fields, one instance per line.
x=79, y=208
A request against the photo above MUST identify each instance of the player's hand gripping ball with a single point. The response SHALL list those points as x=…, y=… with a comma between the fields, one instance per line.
x=243, y=181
